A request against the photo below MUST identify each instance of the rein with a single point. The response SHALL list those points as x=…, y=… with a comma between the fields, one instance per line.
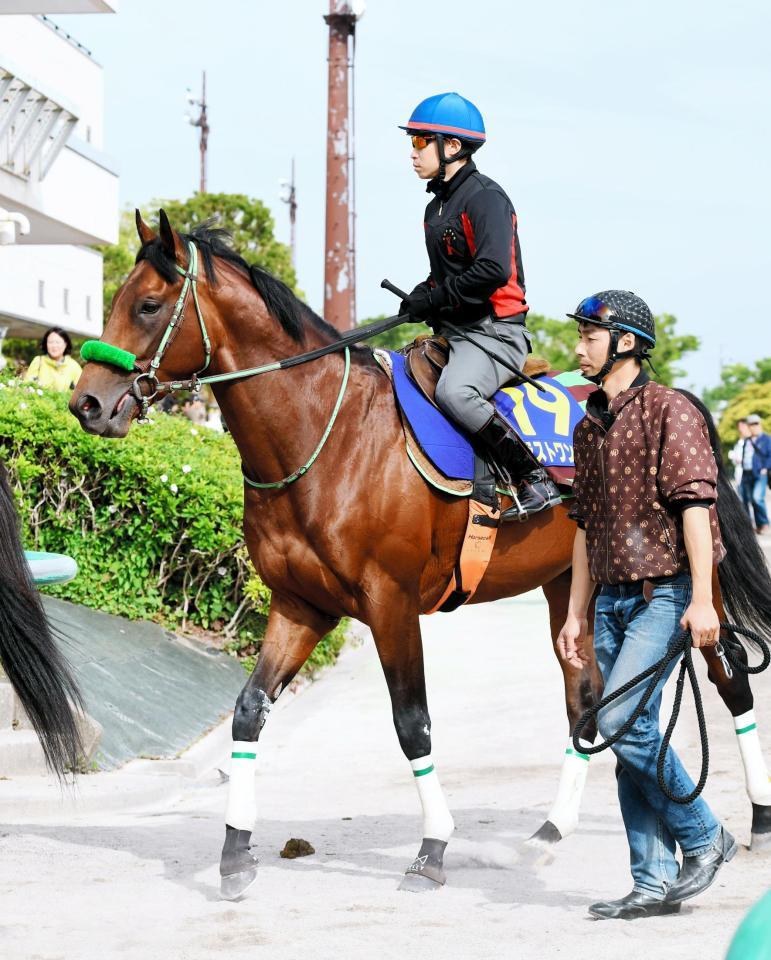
x=681, y=645
x=147, y=370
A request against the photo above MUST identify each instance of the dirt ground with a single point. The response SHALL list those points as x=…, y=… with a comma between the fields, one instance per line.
x=144, y=885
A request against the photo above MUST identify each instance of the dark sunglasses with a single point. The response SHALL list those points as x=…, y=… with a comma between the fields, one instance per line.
x=421, y=141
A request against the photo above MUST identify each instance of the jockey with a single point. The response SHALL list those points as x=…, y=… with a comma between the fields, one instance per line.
x=476, y=286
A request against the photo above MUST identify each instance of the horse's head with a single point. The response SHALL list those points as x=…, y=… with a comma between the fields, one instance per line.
x=140, y=340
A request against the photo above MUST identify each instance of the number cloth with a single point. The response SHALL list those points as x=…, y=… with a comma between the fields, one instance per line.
x=545, y=422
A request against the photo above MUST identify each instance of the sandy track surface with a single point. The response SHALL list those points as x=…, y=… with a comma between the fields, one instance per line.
x=145, y=885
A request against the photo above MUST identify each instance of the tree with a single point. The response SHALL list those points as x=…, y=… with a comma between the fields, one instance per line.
x=396, y=337
x=734, y=377
x=754, y=398
x=248, y=220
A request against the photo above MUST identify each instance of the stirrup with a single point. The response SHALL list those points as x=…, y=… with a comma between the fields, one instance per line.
x=516, y=511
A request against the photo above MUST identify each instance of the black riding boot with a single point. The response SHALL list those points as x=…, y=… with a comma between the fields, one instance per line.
x=536, y=491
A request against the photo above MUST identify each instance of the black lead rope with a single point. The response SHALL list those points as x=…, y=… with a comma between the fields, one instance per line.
x=680, y=646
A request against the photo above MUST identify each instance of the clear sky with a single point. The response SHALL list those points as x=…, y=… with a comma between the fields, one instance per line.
x=633, y=138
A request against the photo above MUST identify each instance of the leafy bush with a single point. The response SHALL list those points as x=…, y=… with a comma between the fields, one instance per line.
x=154, y=520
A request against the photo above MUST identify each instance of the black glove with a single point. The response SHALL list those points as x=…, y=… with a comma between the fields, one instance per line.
x=418, y=304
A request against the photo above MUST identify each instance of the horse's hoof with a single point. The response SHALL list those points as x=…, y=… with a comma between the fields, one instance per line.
x=545, y=834
x=760, y=842
x=760, y=837
x=416, y=883
x=234, y=886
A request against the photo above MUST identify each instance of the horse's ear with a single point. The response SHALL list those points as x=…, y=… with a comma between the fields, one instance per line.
x=146, y=234
x=170, y=242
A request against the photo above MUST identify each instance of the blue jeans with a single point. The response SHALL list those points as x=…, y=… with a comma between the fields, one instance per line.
x=753, y=491
x=629, y=636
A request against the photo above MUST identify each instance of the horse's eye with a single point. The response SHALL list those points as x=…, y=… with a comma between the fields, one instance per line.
x=150, y=306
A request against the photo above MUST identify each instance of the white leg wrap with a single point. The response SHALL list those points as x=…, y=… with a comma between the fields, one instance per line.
x=437, y=819
x=564, y=812
x=241, y=810
x=755, y=770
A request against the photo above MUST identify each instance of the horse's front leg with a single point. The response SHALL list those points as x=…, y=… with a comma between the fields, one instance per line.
x=293, y=630
x=396, y=629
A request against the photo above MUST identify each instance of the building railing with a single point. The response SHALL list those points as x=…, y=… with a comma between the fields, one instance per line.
x=33, y=128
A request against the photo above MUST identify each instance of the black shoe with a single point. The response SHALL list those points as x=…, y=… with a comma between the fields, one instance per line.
x=634, y=906
x=698, y=873
x=536, y=491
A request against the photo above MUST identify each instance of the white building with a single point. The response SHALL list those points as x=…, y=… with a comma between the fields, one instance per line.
x=53, y=172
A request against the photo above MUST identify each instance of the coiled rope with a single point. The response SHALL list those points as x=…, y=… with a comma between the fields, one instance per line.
x=682, y=645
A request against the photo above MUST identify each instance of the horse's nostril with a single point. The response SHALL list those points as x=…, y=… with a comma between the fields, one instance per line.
x=88, y=406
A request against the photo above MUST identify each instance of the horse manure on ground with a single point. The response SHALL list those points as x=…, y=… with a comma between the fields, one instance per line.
x=296, y=848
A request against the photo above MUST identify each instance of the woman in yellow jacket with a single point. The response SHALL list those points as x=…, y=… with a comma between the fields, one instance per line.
x=54, y=368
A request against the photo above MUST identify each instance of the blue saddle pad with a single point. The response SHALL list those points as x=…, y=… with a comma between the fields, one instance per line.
x=545, y=421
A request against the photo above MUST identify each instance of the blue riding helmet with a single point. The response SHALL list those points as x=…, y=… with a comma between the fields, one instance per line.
x=448, y=115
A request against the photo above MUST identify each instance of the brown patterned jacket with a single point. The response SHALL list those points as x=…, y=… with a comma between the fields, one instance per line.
x=640, y=461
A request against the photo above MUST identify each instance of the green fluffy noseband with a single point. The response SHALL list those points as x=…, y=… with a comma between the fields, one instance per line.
x=107, y=353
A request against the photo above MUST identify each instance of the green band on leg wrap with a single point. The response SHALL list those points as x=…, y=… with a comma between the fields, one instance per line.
x=423, y=772
x=574, y=753
x=107, y=353
x=751, y=726
x=243, y=756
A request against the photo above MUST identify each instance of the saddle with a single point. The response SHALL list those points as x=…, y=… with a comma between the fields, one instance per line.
x=427, y=356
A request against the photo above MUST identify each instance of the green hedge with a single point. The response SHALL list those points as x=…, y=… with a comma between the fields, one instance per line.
x=154, y=520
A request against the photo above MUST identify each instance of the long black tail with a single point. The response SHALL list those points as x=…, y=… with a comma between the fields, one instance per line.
x=744, y=578
x=28, y=653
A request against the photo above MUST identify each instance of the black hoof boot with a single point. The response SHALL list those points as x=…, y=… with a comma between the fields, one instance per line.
x=426, y=872
x=238, y=868
x=760, y=839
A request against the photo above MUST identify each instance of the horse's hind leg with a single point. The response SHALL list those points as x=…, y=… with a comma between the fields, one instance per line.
x=583, y=688
x=293, y=631
x=396, y=630
x=736, y=694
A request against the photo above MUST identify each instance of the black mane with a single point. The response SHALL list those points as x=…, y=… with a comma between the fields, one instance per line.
x=281, y=303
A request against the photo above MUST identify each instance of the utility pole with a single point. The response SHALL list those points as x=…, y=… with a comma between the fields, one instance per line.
x=202, y=122
x=290, y=197
x=339, y=279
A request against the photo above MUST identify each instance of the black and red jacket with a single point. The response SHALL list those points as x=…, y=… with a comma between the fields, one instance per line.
x=473, y=249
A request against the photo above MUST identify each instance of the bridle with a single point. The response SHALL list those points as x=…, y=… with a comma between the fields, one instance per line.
x=150, y=371
x=103, y=352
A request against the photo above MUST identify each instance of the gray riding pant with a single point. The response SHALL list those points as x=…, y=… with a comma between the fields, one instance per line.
x=471, y=377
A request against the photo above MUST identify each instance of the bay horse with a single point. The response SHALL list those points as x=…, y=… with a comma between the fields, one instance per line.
x=362, y=535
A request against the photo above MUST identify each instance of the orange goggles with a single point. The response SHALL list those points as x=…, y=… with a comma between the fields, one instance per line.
x=420, y=141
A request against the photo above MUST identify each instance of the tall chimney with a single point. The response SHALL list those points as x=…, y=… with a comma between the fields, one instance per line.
x=339, y=281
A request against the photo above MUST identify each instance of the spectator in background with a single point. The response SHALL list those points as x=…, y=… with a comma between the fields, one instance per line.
x=54, y=367
x=756, y=461
x=736, y=456
x=195, y=410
